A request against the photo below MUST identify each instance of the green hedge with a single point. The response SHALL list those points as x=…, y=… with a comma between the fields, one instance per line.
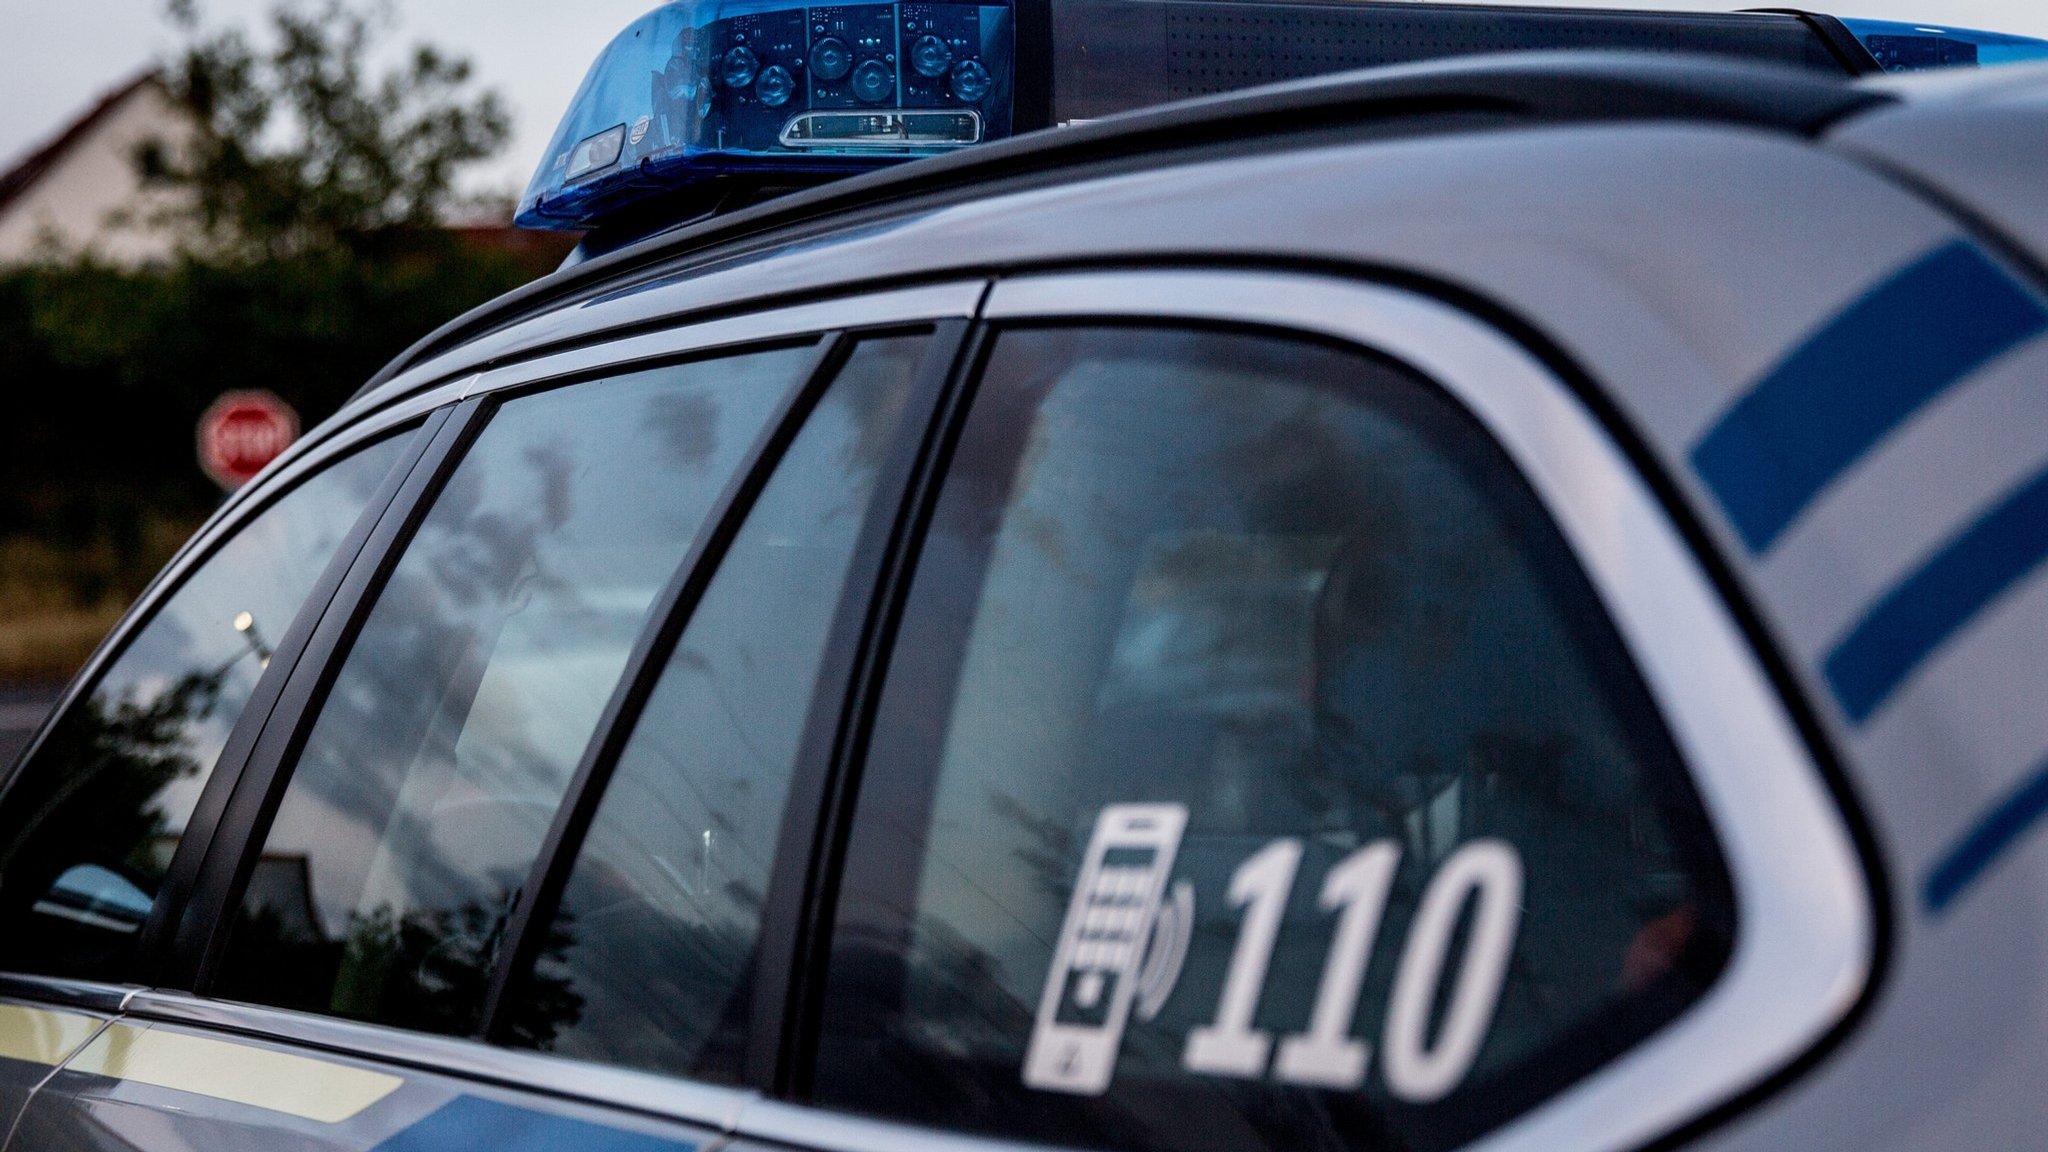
x=105, y=372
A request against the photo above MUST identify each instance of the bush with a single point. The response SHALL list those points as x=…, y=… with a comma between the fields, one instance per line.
x=109, y=370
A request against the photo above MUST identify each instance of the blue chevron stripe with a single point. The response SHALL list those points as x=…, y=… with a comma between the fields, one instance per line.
x=1939, y=598
x=1991, y=837
x=1859, y=377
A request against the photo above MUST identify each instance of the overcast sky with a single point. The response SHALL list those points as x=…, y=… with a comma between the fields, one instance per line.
x=56, y=56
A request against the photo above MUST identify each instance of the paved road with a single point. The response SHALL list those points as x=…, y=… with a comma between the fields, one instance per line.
x=21, y=709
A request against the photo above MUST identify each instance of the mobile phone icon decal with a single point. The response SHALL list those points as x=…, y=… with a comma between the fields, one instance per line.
x=1093, y=980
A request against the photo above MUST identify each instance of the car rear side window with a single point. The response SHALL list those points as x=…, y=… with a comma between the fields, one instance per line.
x=1255, y=768
x=648, y=962
x=92, y=820
x=457, y=718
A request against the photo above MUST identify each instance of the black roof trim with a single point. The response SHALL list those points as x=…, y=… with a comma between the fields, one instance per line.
x=1842, y=43
x=1537, y=87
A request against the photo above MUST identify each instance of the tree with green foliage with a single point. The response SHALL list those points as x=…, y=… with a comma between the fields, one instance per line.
x=298, y=148
x=313, y=252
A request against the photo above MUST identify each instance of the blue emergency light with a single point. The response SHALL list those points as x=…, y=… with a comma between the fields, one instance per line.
x=704, y=102
x=1912, y=47
x=700, y=89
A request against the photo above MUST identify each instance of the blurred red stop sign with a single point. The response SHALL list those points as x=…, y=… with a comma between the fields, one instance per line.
x=241, y=432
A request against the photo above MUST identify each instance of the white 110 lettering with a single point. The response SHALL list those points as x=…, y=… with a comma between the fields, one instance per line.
x=1417, y=1069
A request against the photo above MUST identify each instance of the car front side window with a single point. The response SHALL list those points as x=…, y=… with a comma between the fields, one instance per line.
x=91, y=821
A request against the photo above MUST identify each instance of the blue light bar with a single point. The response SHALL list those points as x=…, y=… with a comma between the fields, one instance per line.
x=701, y=89
x=1916, y=47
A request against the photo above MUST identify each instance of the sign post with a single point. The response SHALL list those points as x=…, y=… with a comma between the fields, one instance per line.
x=240, y=432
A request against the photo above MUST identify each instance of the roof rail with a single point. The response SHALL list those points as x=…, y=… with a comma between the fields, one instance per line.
x=1558, y=87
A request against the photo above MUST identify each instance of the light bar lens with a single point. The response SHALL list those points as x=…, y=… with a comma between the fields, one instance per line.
x=1918, y=47
x=700, y=89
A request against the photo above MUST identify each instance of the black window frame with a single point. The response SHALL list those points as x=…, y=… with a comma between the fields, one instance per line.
x=184, y=942
x=184, y=934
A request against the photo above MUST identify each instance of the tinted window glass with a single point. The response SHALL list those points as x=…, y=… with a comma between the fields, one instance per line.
x=92, y=821
x=460, y=713
x=653, y=944
x=1255, y=770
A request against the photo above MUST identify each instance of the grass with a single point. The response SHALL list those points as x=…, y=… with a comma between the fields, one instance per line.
x=57, y=602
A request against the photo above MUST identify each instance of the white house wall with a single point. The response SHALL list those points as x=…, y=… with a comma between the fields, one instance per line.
x=91, y=200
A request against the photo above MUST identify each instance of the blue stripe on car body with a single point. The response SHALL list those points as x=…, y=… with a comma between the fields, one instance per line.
x=1990, y=838
x=472, y=1122
x=1827, y=404
x=1942, y=595
x=1860, y=376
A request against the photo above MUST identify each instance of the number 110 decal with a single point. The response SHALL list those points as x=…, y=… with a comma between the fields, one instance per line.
x=1076, y=1055
x=1327, y=1056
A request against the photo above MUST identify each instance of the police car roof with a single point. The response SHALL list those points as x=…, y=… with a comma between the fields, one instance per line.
x=1659, y=257
x=1436, y=97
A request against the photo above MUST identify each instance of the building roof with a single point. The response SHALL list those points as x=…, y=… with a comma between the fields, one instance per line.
x=24, y=175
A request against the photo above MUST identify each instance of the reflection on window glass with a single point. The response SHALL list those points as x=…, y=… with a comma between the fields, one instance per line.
x=91, y=823
x=460, y=712
x=657, y=925
x=1255, y=769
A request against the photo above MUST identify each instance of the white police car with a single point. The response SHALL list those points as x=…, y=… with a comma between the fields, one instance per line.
x=1483, y=604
